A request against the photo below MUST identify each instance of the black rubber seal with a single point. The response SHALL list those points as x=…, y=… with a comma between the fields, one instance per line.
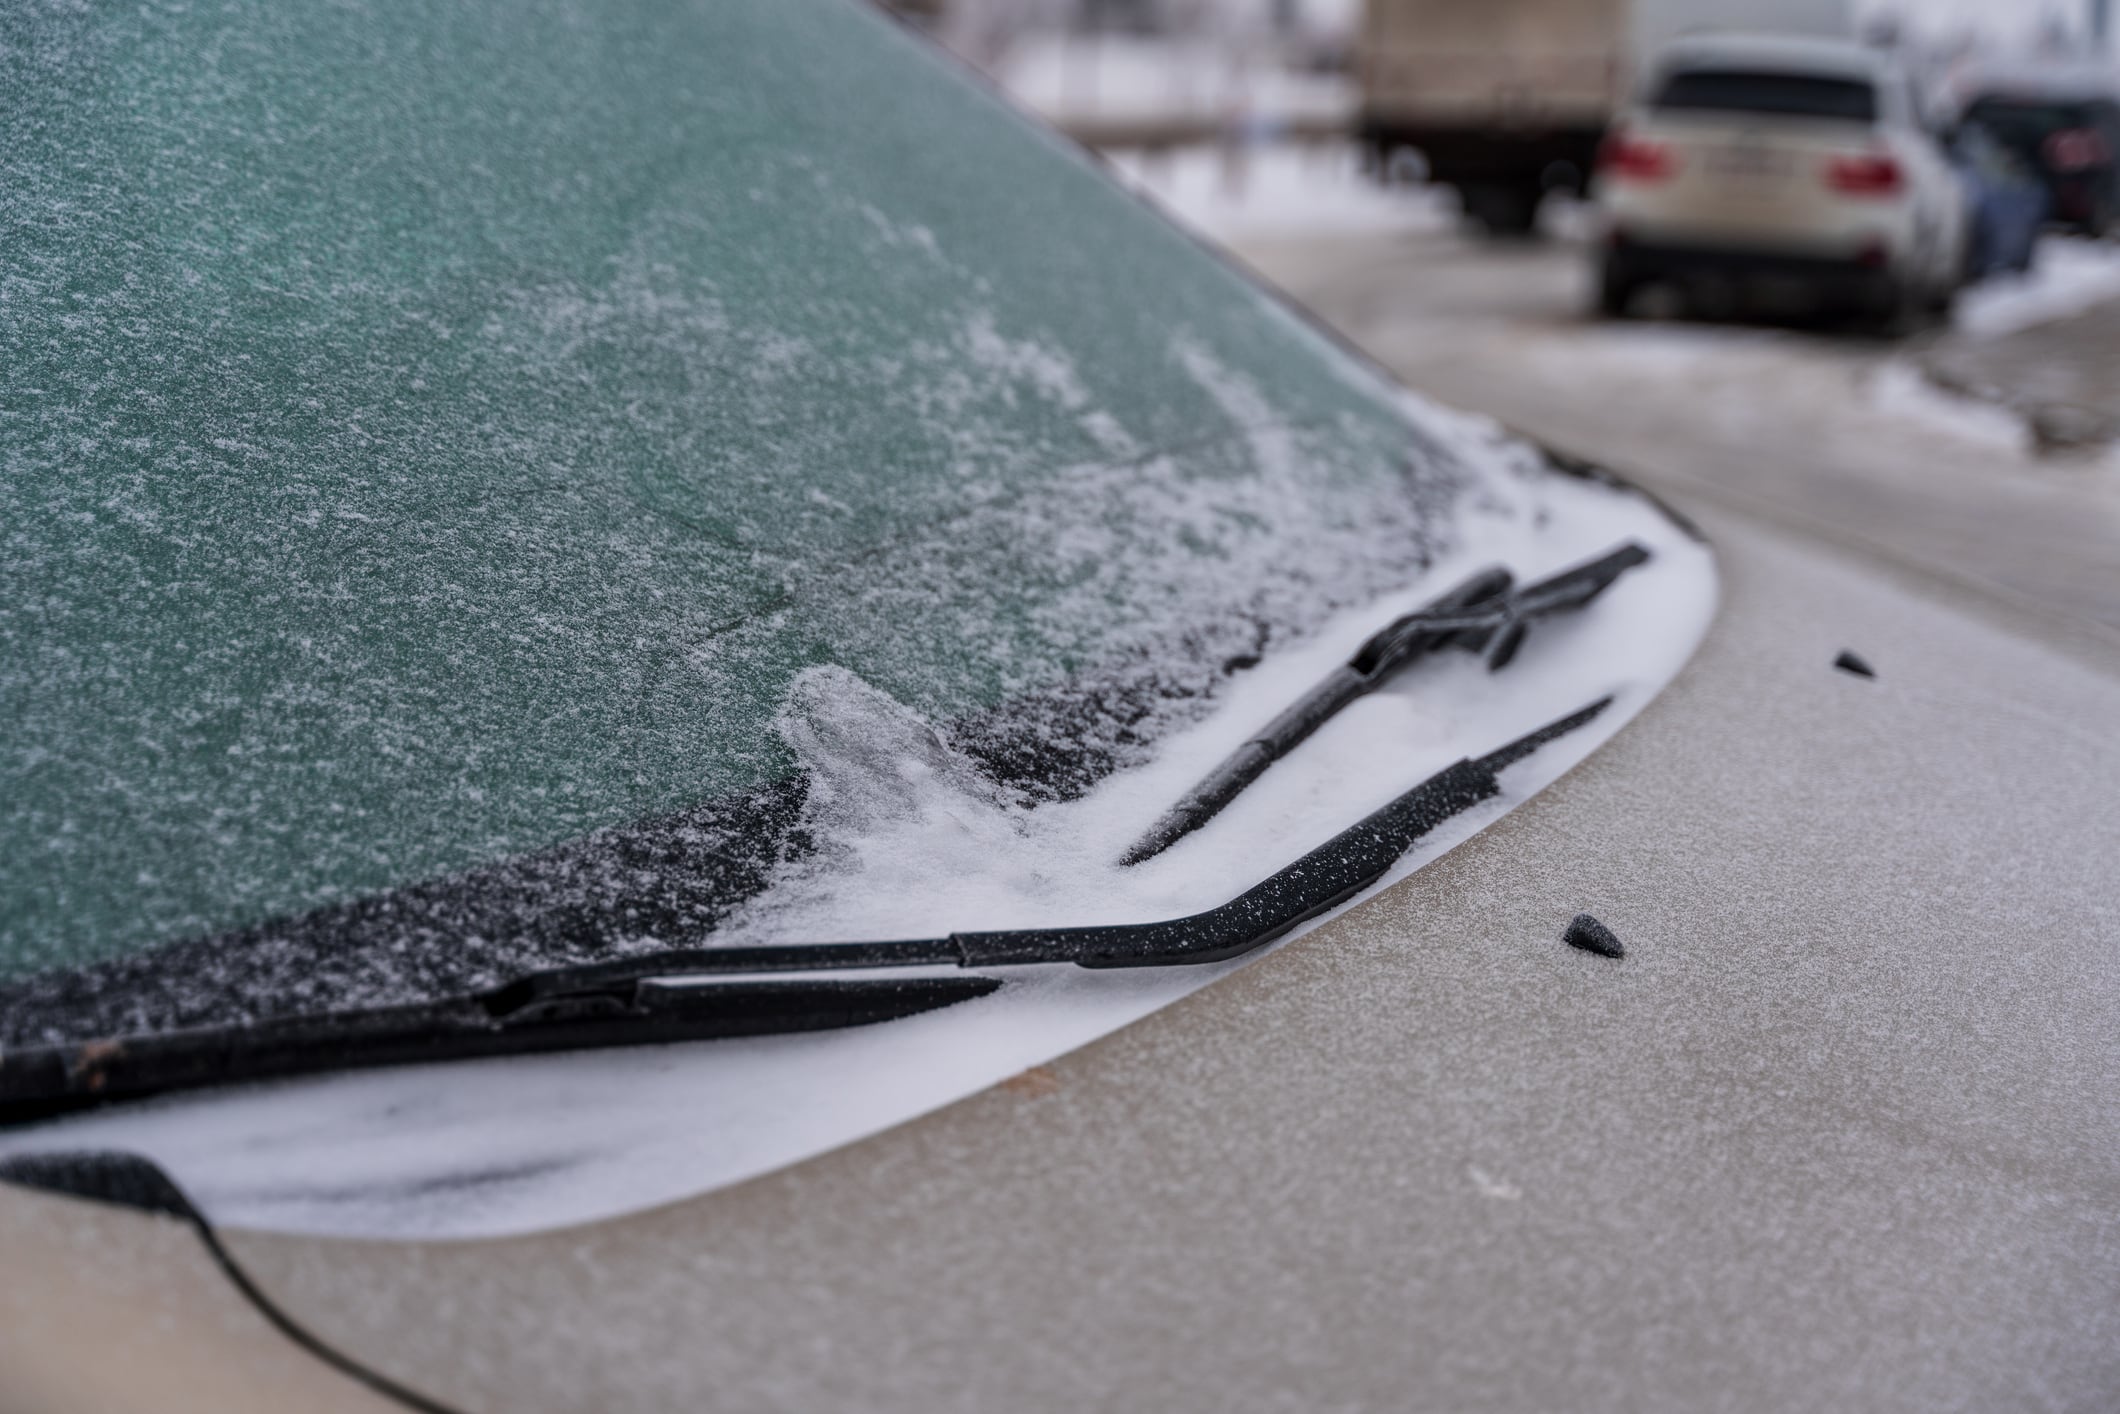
x=129, y=1181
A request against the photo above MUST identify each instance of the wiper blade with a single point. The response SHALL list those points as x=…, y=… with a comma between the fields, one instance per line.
x=37, y=1082
x=1484, y=614
x=703, y=993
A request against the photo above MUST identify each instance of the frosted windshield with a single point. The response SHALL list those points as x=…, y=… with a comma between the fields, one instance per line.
x=439, y=437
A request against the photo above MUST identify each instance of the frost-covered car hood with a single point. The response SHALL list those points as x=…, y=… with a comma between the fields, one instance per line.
x=496, y=487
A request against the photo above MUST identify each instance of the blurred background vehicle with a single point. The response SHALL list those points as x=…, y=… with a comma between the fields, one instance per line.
x=2007, y=203
x=1506, y=100
x=2067, y=128
x=1756, y=164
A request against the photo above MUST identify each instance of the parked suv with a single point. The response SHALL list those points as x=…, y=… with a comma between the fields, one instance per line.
x=1752, y=162
x=2071, y=137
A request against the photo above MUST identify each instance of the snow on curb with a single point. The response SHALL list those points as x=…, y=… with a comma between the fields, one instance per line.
x=1279, y=190
x=1167, y=78
x=2070, y=277
x=1906, y=391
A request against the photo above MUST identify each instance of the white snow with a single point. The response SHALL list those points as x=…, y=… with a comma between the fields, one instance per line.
x=921, y=845
x=1902, y=391
x=2069, y=277
x=1280, y=189
x=1165, y=78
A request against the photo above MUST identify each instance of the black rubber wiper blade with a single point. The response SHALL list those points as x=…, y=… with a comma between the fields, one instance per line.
x=703, y=993
x=1317, y=883
x=39, y=1082
x=1484, y=614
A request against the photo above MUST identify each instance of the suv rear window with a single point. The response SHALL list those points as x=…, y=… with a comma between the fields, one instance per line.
x=1787, y=95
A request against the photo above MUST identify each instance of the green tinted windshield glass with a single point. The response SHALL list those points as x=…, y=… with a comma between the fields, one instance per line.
x=433, y=432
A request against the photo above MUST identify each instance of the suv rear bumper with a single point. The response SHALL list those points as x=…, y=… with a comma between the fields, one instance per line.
x=1838, y=279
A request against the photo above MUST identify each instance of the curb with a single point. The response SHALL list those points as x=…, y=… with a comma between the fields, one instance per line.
x=2057, y=428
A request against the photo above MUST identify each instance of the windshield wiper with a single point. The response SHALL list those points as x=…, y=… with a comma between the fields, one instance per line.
x=702, y=993
x=1482, y=615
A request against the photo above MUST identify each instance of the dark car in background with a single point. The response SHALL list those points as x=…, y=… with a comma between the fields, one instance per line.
x=2070, y=134
x=2007, y=203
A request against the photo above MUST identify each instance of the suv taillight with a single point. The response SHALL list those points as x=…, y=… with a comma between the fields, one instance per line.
x=1626, y=158
x=2073, y=149
x=1871, y=174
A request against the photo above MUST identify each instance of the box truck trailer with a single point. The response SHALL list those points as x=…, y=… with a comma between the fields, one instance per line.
x=1506, y=100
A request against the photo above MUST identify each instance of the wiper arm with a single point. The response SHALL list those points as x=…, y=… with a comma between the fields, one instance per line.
x=701, y=993
x=1480, y=615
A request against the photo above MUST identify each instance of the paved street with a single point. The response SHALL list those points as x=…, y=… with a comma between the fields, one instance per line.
x=1833, y=433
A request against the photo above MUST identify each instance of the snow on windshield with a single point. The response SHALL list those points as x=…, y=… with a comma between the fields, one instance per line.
x=462, y=463
x=912, y=836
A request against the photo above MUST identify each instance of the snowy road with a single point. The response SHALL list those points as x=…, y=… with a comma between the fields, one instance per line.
x=1834, y=434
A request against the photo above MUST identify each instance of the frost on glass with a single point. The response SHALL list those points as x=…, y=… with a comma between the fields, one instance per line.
x=443, y=446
